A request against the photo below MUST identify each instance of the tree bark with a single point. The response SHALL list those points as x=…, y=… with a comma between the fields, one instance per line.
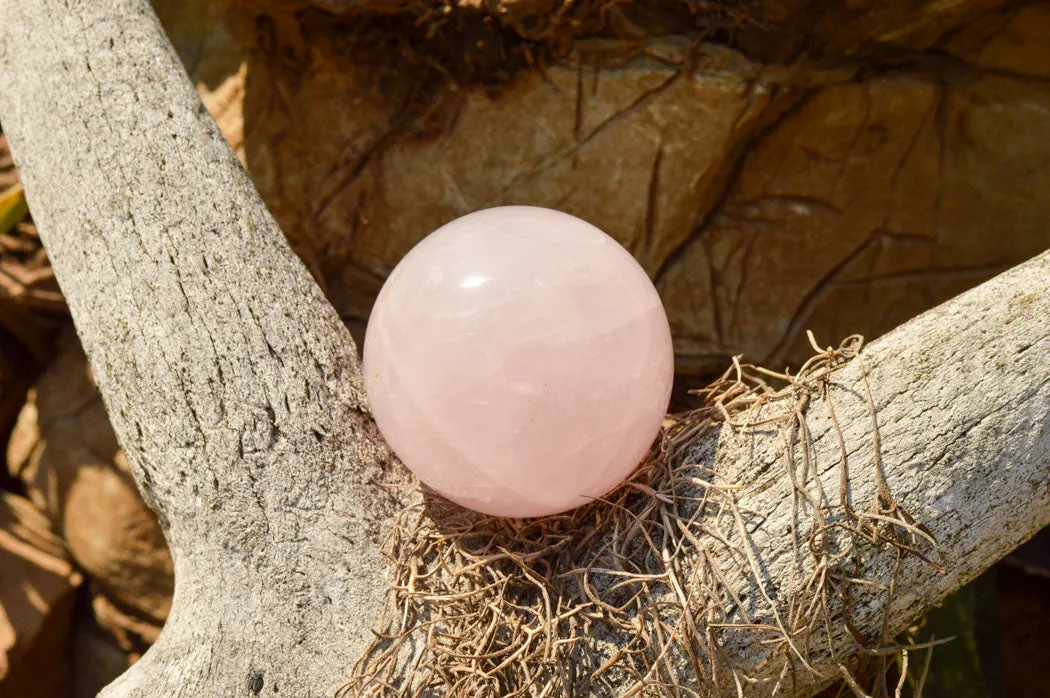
x=961, y=395
x=236, y=391
x=229, y=379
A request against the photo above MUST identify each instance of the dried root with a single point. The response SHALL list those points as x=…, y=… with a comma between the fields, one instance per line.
x=638, y=594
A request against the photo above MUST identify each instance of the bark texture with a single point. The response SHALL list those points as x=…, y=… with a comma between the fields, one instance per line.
x=235, y=391
x=962, y=398
x=229, y=379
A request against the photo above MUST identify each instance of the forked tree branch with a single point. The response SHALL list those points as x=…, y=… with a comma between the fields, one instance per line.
x=236, y=391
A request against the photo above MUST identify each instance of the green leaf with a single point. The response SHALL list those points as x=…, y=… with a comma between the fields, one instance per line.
x=13, y=208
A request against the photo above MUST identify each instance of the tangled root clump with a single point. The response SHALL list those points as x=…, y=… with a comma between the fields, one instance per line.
x=638, y=593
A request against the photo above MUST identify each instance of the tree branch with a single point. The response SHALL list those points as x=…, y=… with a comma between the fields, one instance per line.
x=229, y=379
x=962, y=400
x=236, y=391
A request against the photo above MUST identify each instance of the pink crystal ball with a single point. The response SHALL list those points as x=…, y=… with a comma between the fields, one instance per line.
x=519, y=361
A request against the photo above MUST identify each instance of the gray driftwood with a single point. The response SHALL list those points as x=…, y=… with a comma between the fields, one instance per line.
x=962, y=398
x=237, y=394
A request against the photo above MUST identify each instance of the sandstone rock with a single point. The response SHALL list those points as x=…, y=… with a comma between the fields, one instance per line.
x=65, y=452
x=640, y=155
x=1013, y=42
x=826, y=31
x=37, y=594
x=764, y=200
x=642, y=150
x=867, y=204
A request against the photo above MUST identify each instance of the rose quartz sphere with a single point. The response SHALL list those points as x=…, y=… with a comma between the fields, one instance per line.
x=518, y=360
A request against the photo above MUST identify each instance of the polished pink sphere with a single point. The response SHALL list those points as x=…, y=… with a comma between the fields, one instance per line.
x=519, y=361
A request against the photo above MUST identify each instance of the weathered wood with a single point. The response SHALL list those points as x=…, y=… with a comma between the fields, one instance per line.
x=236, y=391
x=230, y=381
x=962, y=397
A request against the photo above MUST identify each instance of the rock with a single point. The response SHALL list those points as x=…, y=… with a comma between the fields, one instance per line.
x=37, y=594
x=638, y=150
x=868, y=203
x=64, y=451
x=1010, y=43
x=861, y=29
x=764, y=199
